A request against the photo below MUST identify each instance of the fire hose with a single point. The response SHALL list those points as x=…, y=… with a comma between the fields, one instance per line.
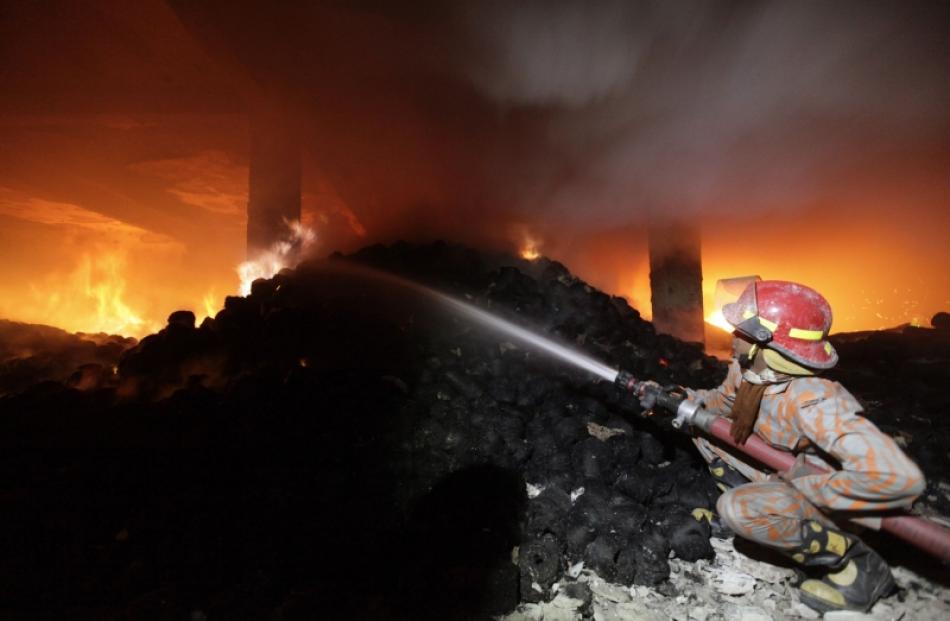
x=925, y=534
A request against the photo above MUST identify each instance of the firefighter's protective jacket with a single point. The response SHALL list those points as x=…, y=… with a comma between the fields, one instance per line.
x=821, y=418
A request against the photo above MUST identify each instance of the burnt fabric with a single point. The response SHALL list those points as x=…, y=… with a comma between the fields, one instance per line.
x=803, y=414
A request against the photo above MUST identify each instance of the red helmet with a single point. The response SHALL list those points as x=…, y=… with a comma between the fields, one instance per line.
x=790, y=318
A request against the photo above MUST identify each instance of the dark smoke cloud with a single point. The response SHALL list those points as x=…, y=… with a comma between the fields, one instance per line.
x=684, y=105
x=555, y=53
x=425, y=115
x=594, y=114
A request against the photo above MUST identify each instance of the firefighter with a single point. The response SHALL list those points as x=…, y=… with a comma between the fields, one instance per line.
x=781, y=337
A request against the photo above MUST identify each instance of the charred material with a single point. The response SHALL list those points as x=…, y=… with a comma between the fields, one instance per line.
x=30, y=354
x=336, y=443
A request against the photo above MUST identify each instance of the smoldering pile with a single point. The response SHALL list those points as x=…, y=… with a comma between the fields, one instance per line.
x=392, y=440
x=605, y=489
x=30, y=354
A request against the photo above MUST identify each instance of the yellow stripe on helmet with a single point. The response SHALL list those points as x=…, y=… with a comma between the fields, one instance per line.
x=806, y=335
x=771, y=325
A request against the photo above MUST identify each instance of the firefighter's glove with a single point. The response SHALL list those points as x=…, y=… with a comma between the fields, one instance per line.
x=647, y=393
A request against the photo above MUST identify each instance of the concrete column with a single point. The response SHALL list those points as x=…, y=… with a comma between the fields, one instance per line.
x=274, y=184
x=676, y=280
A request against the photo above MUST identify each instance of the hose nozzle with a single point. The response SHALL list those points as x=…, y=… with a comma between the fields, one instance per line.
x=626, y=381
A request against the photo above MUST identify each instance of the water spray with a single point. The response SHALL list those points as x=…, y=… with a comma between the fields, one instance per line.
x=498, y=324
x=571, y=356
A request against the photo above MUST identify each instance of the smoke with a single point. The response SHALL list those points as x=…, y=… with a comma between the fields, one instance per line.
x=297, y=243
x=434, y=117
x=553, y=53
x=684, y=106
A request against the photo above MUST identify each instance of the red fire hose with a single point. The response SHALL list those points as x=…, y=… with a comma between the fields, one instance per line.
x=925, y=534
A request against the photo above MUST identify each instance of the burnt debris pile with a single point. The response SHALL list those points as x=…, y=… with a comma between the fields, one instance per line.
x=604, y=488
x=30, y=354
x=338, y=441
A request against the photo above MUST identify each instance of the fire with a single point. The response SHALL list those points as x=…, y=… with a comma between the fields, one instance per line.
x=90, y=299
x=103, y=282
x=530, y=248
x=210, y=305
x=99, y=293
x=284, y=253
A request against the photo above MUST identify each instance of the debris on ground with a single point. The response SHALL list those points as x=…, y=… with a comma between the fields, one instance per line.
x=731, y=586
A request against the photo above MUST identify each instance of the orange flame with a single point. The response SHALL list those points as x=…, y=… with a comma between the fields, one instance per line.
x=107, y=287
x=210, y=306
x=90, y=299
x=530, y=248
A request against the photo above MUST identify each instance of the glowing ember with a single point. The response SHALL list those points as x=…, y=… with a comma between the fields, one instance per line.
x=716, y=319
x=284, y=253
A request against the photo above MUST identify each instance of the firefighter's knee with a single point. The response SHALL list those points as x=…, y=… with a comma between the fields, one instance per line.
x=914, y=482
x=728, y=511
x=918, y=484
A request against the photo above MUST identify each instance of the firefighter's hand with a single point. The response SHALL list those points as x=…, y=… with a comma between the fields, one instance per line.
x=647, y=393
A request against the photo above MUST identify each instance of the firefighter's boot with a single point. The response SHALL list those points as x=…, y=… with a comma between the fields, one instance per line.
x=726, y=476
x=848, y=574
x=717, y=528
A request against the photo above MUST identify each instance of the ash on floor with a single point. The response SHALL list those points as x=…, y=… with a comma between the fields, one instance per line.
x=732, y=586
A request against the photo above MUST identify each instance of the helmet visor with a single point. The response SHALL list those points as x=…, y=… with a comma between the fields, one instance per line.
x=743, y=312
